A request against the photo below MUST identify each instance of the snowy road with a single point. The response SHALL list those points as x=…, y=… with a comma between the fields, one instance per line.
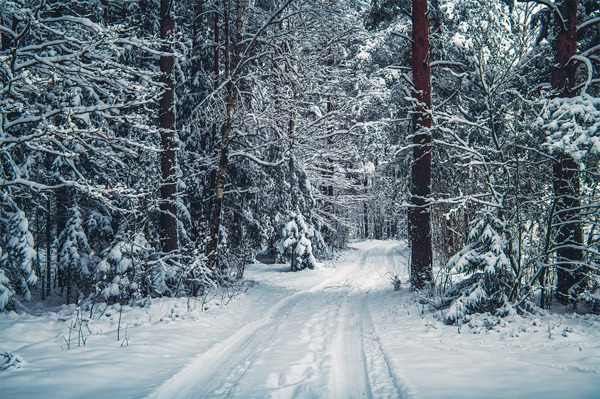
x=321, y=340
x=339, y=332
x=318, y=342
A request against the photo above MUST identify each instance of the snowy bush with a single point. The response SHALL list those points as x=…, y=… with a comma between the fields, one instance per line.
x=123, y=274
x=296, y=242
x=485, y=270
x=17, y=255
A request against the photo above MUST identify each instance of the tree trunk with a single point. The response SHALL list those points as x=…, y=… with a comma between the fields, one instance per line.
x=6, y=40
x=366, y=209
x=105, y=11
x=232, y=97
x=48, y=244
x=569, y=232
x=168, y=210
x=38, y=242
x=565, y=170
x=62, y=206
x=419, y=214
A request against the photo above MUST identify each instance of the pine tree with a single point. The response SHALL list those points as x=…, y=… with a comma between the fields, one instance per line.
x=125, y=274
x=296, y=242
x=17, y=254
x=75, y=260
x=484, y=266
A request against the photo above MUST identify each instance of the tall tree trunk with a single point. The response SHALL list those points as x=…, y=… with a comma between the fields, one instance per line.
x=63, y=202
x=48, y=242
x=216, y=66
x=366, y=208
x=419, y=225
x=49, y=221
x=565, y=170
x=168, y=210
x=38, y=242
x=213, y=135
x=232, y=97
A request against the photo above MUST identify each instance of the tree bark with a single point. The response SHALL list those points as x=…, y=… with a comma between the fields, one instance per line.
x=419, y=225
x=366, y=208
x=168, y=188
x=6, y=40
x=232, y=97
x=48, y=244
x=105, y=11
x=565, y=170
x=63, y=197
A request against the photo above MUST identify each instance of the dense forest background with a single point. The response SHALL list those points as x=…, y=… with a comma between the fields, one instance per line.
x=154, y=148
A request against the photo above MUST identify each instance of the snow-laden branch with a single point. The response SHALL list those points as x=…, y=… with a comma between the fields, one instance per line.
x=73, y=111
x=590, y=70
x=402, y=36
x=454, y=64
x=590, y=51
x=550, y=4
x=587, y=24
x=258, y=160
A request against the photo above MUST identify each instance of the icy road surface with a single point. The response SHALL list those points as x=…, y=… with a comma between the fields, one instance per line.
x=336, y=332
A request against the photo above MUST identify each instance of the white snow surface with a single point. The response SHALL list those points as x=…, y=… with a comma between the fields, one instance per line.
x=335, y=332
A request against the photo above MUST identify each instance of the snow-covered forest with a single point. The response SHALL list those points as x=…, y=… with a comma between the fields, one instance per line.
x=300, y=198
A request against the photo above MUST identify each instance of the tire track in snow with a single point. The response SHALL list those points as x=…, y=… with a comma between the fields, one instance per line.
x=209, y=371
x=214, y=373
x=350, y=379
x=301, y=349
x=384, y=381
x=360, y=366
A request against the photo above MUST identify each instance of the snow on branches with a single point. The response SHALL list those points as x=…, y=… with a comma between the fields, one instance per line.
x=572, y=125
x=17, y=255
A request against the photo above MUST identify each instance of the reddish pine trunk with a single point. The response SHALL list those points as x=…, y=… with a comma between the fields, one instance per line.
x=569, y=235
x=419, y=215
x=566, y=177
x=167, y=123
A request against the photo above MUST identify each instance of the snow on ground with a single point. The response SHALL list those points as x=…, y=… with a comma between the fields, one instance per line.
x=335, y=332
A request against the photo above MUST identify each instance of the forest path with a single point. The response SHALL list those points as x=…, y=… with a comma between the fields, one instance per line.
x=335, y=332
x=316, y=342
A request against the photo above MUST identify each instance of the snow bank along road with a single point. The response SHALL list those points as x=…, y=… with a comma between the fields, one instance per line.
x=320, y=341
x=336, y=332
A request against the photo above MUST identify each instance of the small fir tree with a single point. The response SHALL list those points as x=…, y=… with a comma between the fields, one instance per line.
x=296, y=242
x=75, y=257
x=484, y=263
x=123, y=274
x=17, y=255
